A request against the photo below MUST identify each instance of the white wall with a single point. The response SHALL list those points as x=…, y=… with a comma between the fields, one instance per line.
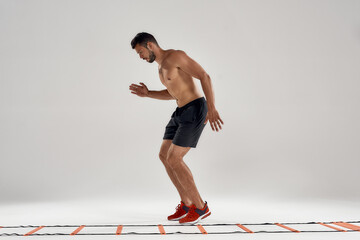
x=285, y=74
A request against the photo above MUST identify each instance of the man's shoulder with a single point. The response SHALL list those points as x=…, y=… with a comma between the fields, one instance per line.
x=175, y=55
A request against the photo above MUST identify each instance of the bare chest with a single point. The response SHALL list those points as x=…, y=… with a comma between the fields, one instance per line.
x=168, y=74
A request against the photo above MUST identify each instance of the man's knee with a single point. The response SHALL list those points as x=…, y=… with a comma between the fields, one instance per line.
x=173, y=161
x=164, y=150
x=163, y=157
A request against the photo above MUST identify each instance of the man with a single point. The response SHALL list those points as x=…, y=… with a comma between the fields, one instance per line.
x=176, y=72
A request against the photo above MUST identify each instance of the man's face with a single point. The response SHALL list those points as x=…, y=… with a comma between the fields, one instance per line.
x=145, y=53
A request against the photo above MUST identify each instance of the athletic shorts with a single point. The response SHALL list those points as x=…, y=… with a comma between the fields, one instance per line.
x=187, y=123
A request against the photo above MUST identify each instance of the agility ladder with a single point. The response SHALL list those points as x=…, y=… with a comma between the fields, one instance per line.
x=201, y=229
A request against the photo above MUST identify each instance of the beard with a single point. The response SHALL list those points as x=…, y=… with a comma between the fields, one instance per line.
x=151, y=56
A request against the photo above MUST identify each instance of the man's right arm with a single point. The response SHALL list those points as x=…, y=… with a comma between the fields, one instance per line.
x=161, y=95
x=142, y=91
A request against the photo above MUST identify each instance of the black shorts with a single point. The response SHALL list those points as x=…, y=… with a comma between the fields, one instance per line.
x=187, y=123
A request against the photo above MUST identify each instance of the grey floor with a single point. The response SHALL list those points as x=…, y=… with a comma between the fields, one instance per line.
x=153, y=211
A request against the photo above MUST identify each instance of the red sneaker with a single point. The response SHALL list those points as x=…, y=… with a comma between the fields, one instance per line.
x=181, y=211
x=195, y=214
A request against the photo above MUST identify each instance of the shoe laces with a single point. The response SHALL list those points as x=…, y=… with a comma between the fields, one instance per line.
x=178, y=208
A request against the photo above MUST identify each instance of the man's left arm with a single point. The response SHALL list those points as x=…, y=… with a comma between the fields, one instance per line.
x=191, y=67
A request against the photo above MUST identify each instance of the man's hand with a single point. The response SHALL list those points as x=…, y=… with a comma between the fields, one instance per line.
x=214, y=118
x=141, y=91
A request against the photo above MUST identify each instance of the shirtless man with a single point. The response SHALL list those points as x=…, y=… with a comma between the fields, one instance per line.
x=176, y=72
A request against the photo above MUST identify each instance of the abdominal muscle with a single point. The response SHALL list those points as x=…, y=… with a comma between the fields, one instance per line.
x=183, y=89
x=186, y=97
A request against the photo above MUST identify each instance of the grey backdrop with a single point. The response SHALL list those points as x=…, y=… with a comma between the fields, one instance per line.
x=286, y=79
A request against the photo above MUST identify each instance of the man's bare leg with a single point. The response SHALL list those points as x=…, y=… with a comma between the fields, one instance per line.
x=163, y=157
x=184, y=175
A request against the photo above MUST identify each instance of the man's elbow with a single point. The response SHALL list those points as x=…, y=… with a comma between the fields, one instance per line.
x=204, y=77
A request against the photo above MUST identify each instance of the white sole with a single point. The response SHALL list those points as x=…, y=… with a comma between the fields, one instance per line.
x=197, y=220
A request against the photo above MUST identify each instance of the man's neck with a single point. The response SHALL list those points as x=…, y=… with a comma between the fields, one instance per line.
x=160, y=54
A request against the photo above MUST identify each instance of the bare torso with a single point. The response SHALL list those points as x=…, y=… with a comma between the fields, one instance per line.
x=179, y=84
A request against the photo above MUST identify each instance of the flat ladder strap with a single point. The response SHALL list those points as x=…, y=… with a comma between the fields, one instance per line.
x=161, y=229
x=348, y=225
x=77, y=230
x=286, y=227
x=244, y=228
x=35, y=230
x=202, y=229
x=329, y=226
x=119, y=229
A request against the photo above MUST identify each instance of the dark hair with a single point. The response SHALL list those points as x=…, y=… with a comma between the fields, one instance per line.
x=143, y=38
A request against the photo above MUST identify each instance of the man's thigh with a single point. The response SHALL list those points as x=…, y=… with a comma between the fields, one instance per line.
x=177, y=152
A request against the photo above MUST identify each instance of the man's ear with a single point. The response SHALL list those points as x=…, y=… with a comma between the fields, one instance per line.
x=150, y=45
